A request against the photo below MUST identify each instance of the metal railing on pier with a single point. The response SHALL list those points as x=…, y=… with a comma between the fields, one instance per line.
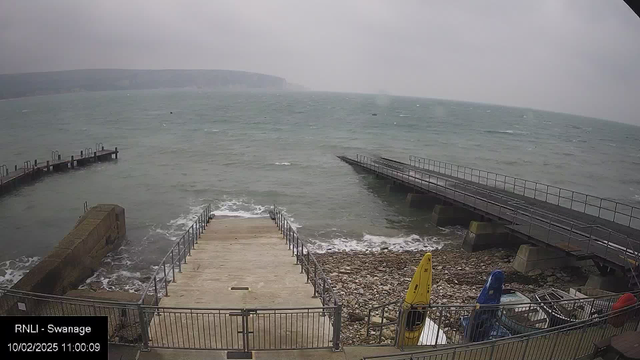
x=165, y=272
x=556, y=230
x=454, y=324
x=566, y=342
x=607, y=209
x=309, y=266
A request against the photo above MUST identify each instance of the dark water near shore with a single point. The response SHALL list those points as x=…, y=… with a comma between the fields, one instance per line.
x=243, y=151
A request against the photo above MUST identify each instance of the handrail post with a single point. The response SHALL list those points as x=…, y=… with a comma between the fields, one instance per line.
x=308, y=265
x=155, y=289
x=185, y=245
x=179, y=259
x=144, y=329
x=173, y=267
x=302, y=260
x=315, y=280
x=166, y=287
x=337, y=324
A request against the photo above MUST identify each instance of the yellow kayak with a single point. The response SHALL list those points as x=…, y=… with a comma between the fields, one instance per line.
x=419, y=293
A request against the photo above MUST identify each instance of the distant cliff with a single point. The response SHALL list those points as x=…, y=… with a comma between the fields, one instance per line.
x=56, y=82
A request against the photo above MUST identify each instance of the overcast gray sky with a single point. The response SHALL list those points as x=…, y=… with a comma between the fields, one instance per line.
x=576, y=56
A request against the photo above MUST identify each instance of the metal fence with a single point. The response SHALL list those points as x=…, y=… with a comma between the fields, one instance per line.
x=547, y=227
x=243, y=329
x=566, y=342
x=612, y=210
x=458, y=324
x=315, y=275
x=123, y=318
x=308, y=264
x=165, y=273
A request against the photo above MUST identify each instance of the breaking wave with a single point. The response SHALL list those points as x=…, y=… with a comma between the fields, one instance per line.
x=13, y=270
x=378, y=243
x=513, y=132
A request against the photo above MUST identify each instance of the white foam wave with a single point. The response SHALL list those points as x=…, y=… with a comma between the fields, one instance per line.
x=403, y=115
x=283, y=163
x=377, y=243
x=211, y=130
x=119, y=280
x=240, y=208
x=13, y=270
x=507, y=132
x=179, y=225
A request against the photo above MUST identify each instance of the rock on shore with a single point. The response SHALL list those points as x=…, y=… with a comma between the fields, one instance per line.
x=365, y=278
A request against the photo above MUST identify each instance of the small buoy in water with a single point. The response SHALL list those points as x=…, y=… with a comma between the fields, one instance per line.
x=170, y=112
x=272, y=214
x=374, y=114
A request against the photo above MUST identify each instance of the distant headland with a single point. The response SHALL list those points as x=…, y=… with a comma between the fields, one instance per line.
x=58, y=82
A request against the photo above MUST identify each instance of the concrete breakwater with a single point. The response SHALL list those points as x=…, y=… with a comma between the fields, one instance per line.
x=77, y=256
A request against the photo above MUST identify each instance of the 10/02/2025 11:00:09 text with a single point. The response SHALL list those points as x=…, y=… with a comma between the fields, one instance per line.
x=53, y=347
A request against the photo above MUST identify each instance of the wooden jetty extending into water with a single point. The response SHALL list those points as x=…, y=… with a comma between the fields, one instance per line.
x=11, y=179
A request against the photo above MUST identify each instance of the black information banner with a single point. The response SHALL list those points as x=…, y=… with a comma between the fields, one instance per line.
x=46, y=337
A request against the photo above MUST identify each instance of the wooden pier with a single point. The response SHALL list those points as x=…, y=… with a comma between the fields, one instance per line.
x=12, y=178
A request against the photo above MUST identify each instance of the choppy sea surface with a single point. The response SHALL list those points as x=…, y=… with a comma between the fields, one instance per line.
x=245, y=151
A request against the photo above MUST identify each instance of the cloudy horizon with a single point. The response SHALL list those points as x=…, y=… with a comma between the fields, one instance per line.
x=564, y=56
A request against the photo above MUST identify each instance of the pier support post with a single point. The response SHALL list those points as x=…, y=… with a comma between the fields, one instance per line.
x=421, y=201
x=452, y=215
x=397, y=188
x=116, y=152
x=47, y=165
x=73, y=165
x=484, y=235
x=610, y=282
x=531, y=257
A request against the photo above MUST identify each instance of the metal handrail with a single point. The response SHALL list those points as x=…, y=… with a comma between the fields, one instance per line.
x=515, y=216
x=605, y=297
x=445, y=312
x=315, y=275
x=598, y=321
x=307, y=261
x=177, y=254
x=575, y=225
x=492, y=179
